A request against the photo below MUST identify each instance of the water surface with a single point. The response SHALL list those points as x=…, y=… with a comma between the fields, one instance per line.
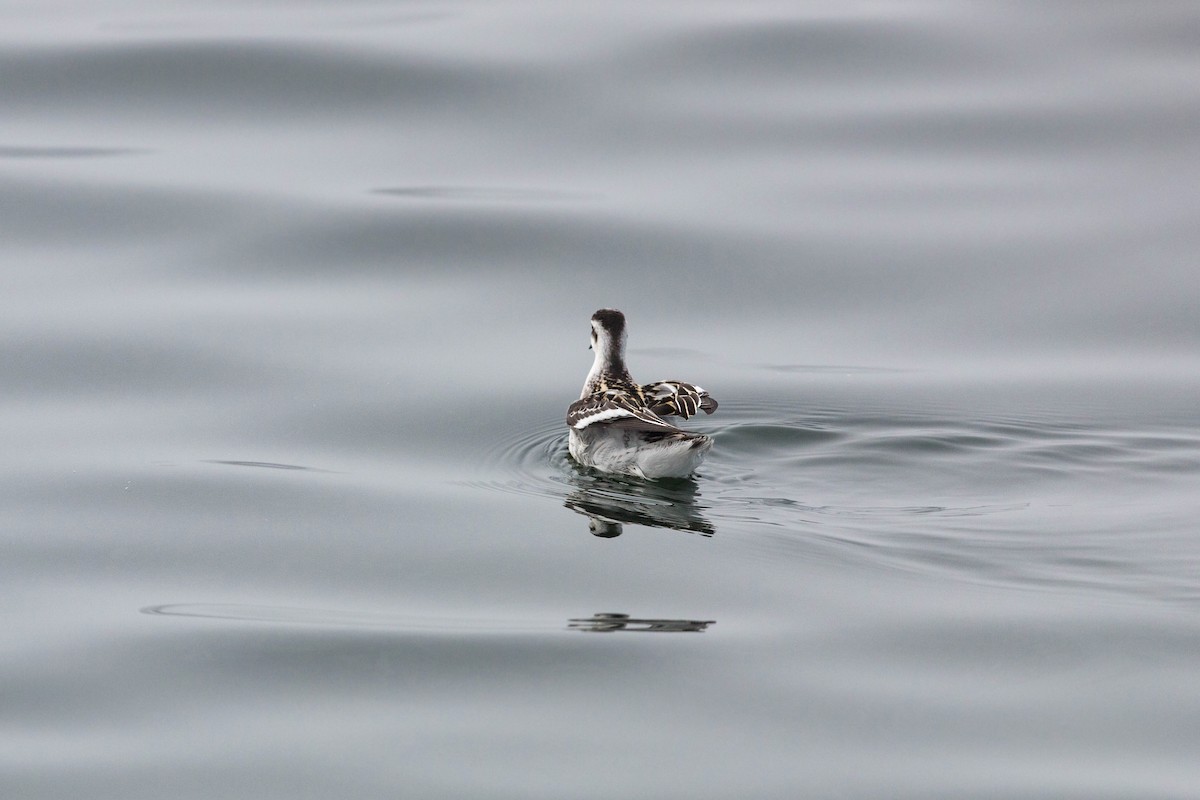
x=295, y=298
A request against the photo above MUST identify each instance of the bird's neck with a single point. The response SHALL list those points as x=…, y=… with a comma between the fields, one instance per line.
x=609, y=364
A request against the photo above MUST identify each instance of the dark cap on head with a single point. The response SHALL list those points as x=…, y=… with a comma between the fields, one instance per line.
x=610, y=319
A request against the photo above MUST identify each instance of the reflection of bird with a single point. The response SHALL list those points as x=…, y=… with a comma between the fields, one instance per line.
x=618, y=426
x=608, y=504
x=608, y=623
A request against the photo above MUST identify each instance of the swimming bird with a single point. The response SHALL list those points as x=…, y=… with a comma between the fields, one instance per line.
x=618, y=426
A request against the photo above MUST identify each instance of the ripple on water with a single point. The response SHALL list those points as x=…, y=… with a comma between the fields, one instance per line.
x=40, y=152
x=262, y=465
x=480, y=194
x=600, y=622
x=979, y=499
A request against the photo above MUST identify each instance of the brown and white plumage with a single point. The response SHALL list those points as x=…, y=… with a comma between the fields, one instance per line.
x=677, y=399
x=618, y=426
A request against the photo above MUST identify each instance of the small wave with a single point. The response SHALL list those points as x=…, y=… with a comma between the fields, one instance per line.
x=833, y=369
x=10, y=151
x=1030, y=501
x=288, y=615
x=480, y=194
x=261, y=465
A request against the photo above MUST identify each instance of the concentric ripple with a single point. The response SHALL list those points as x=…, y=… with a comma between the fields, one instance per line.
x=925, y=491
x=531, y=461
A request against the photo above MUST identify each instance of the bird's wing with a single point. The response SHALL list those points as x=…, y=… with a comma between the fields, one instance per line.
x=677, y=399
x=615, y=408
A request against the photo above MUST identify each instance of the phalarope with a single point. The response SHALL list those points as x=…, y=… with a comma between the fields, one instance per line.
x=618, y=426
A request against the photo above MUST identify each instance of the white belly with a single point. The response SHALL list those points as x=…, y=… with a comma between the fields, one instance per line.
x=625, y=452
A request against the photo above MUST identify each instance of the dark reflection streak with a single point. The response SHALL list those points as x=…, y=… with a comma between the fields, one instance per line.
x=478, y=193
x=414, y=18
x=610, y=623
x=69, y=152
x=262, y=465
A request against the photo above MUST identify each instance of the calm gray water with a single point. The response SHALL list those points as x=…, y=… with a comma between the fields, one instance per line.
x=295, y=295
